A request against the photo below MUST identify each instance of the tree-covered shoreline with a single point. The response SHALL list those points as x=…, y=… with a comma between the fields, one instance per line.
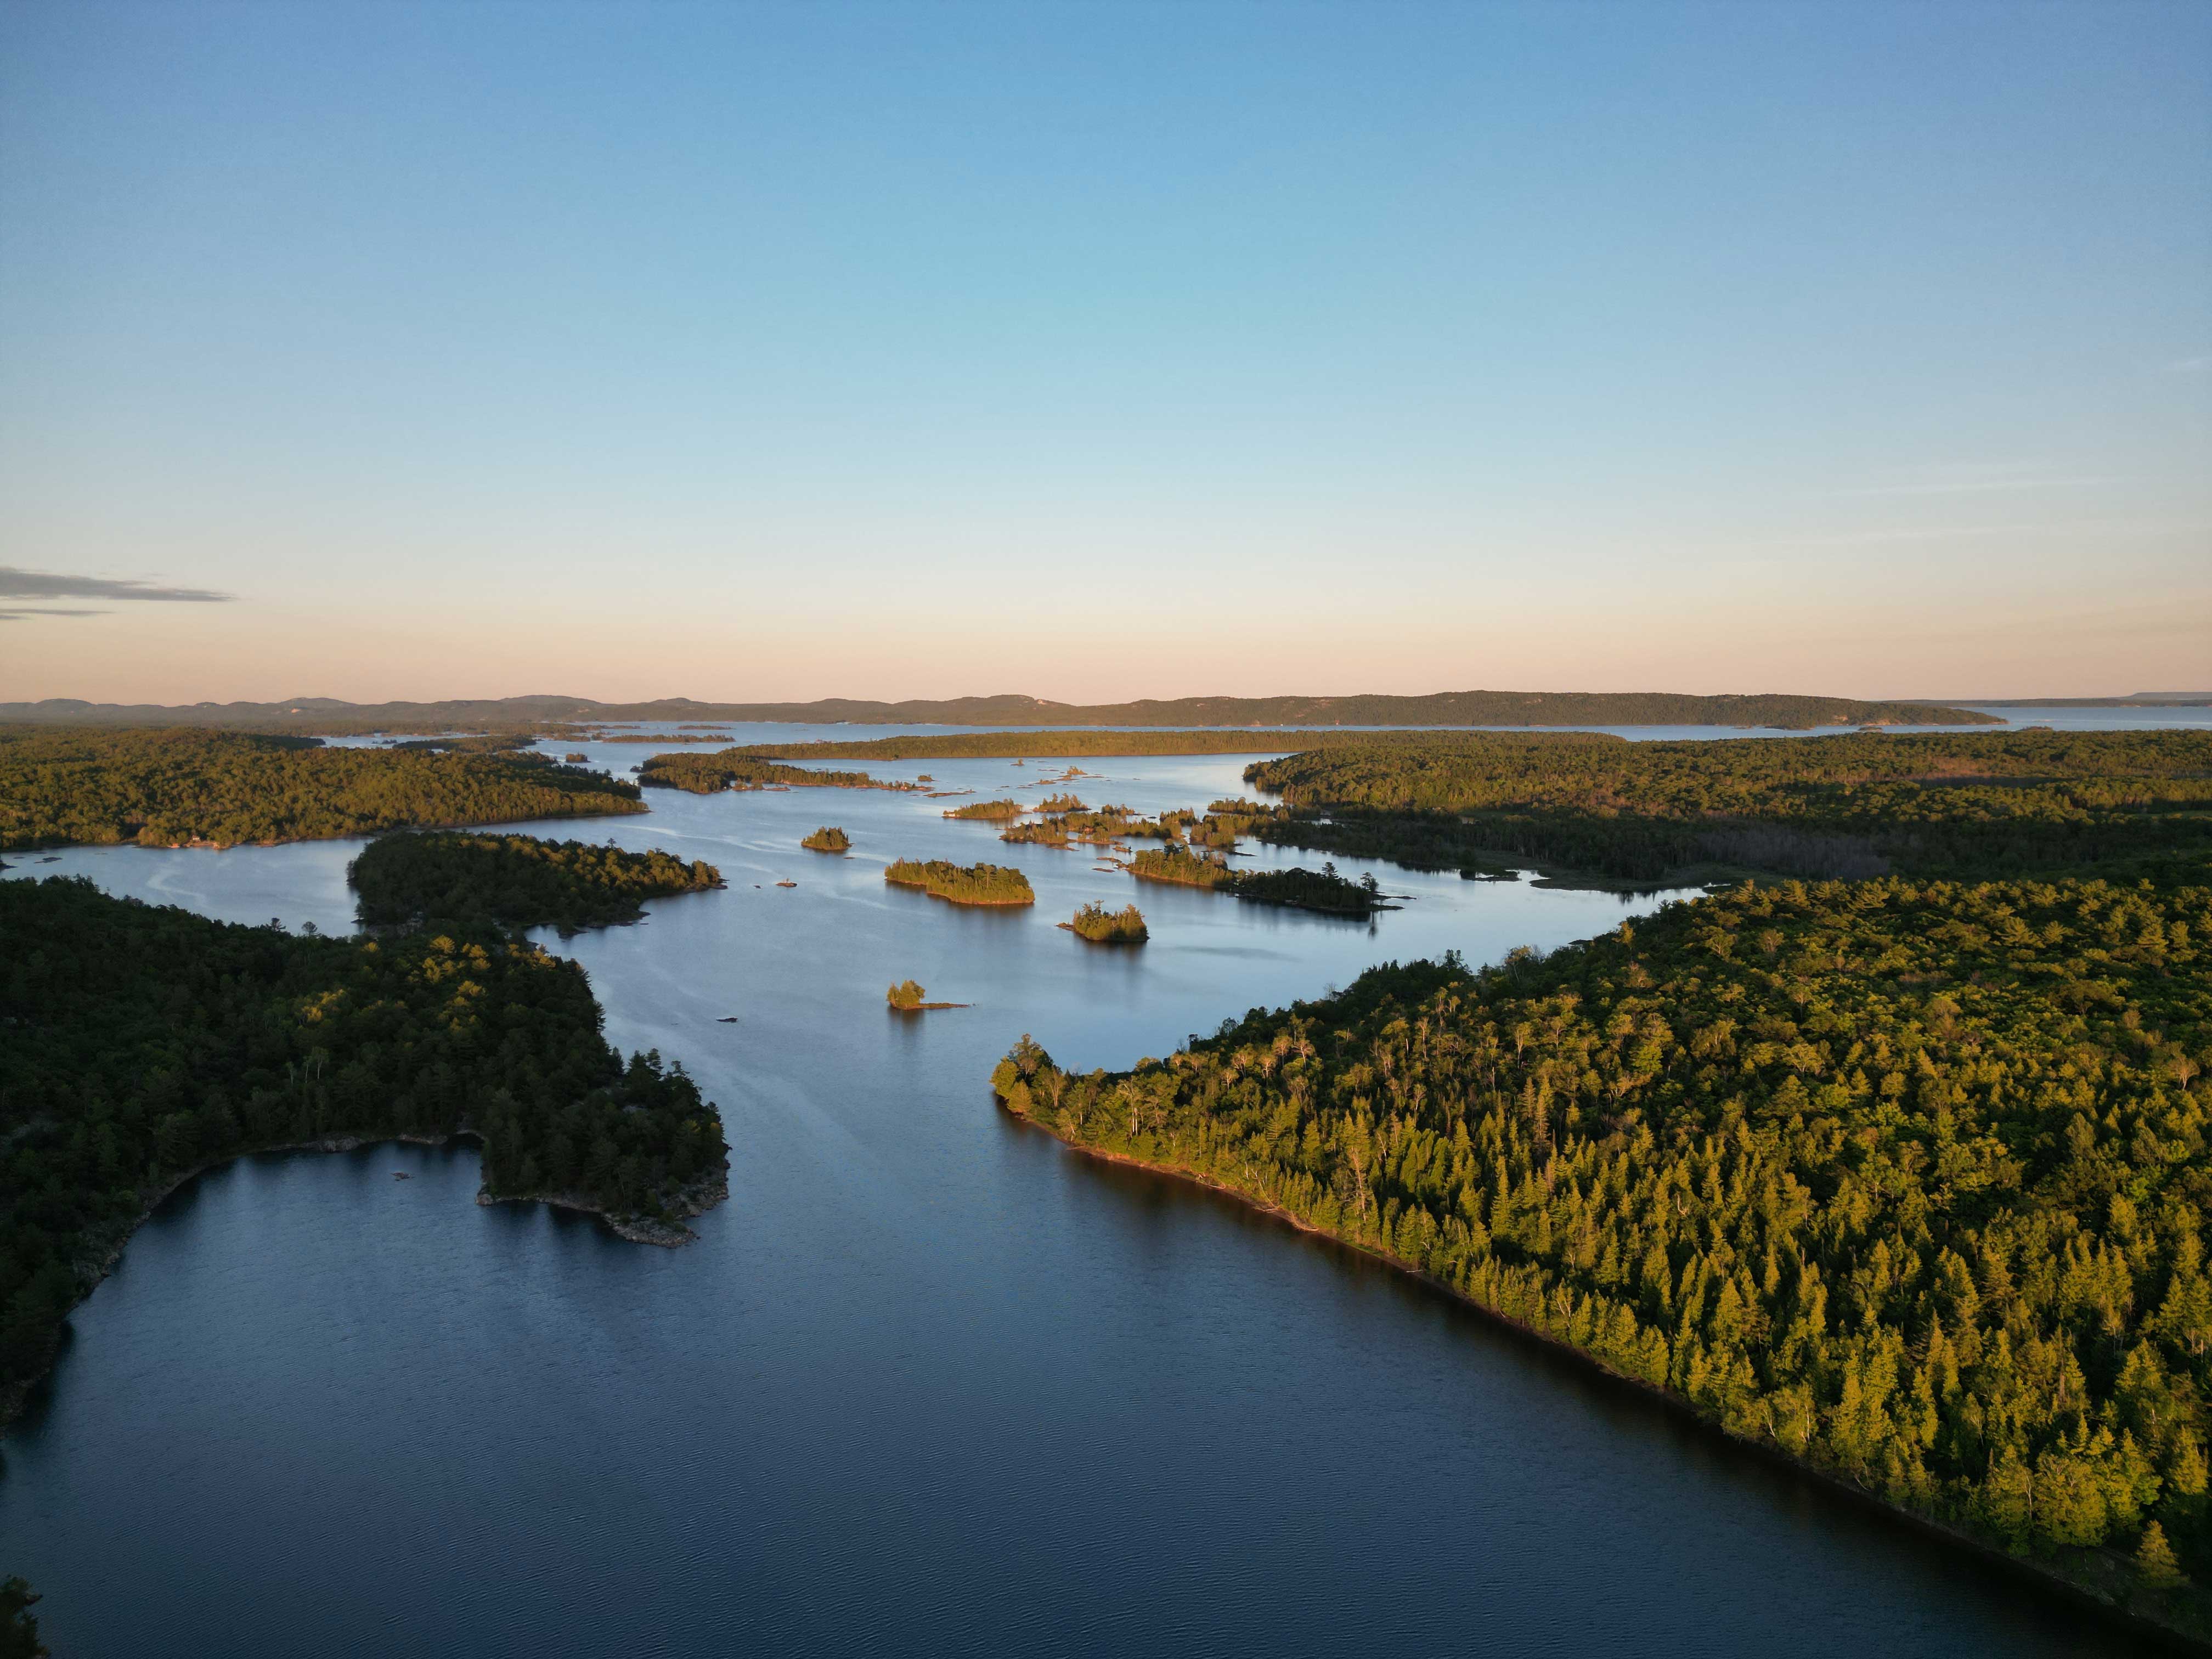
x=1906, y=1181
x=148, y=1043
x=197, y=788
x=1859, y=805
x=449, y=878
x=1323, y=890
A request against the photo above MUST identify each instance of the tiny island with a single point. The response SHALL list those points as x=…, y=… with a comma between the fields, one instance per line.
x=828, y=839
x=908, y=997
x=1101, y=926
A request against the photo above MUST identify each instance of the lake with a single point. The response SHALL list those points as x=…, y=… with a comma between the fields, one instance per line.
x=929, y=1381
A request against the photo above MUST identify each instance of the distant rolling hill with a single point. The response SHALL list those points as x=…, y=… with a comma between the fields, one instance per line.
x=1777, y=710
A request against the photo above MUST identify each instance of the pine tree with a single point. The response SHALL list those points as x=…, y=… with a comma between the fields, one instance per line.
x=2155, y=1559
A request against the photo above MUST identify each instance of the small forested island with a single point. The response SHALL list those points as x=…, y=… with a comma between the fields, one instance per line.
x=730, y=769
x=908, y=997
x=200, y=789
x=449, y=878
x=1853, y=806
x=969, y=884
x=1181, y=867
x=1061, y=804
x=1906, y=1180
x=1045, y=832
x=993, y=810
x=828, y=839
x=1101, y=926
x=145, y=1044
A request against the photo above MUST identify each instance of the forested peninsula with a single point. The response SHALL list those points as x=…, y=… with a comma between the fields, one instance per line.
x=1323, y=890
x=1854, y=806
x=1906, y=1180
x=449, y=879
x=146, y=1044
x=730, y=769
x=190, y=788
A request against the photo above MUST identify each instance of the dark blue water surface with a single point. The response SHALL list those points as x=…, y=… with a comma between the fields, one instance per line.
x=930, y=1382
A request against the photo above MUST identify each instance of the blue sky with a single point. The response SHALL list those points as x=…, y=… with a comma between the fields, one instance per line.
x=1105, y=350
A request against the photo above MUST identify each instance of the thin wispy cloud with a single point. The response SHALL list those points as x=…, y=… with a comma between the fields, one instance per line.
x=2190, y=364
x=44, y=611
x=16, y=584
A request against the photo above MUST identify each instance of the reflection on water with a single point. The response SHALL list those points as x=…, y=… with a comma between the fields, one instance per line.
x=929, y=1381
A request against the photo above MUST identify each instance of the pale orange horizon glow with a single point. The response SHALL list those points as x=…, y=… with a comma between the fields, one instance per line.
x=1110, y=651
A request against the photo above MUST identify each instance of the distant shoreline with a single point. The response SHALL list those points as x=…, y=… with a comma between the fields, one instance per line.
x=1782, y=710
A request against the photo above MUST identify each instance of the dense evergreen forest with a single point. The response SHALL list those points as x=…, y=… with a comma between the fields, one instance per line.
x=488, y=742
x=1323, y=890
x=19, y=1626
x=828, y=839
x=181, y=788
x=1103, y=926
x=728, y=768
x=1981, y=803
x=1181, y=867
x=144, y=1043
x=1906, y=1180
x=963, y=883
x=1442, y=708
x=448, y=879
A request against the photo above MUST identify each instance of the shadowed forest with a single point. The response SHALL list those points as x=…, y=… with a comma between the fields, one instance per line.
x=146, y=1043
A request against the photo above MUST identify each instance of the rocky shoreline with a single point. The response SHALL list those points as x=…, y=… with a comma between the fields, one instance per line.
x=698, y=1198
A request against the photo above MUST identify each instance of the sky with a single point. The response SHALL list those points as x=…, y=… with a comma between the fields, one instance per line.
x=1094, y=351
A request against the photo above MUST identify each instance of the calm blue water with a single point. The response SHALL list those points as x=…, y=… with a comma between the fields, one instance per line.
x=930, y=1382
